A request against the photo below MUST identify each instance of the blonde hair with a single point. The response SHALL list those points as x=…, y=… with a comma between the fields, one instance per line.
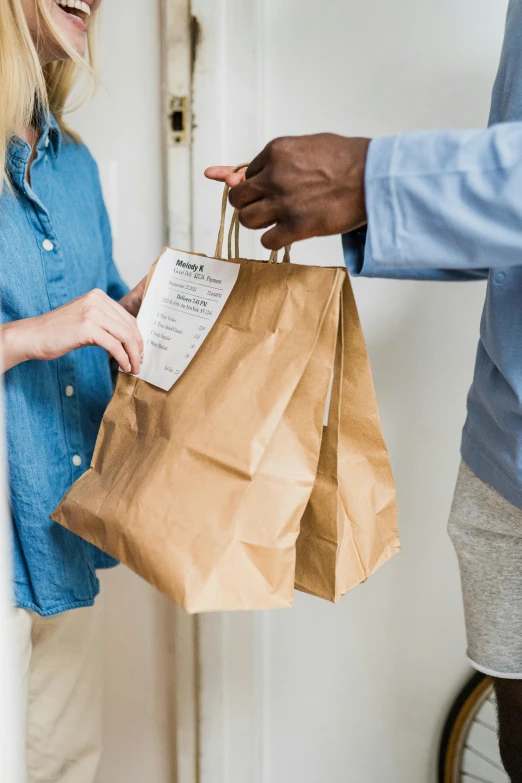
x=25, y=85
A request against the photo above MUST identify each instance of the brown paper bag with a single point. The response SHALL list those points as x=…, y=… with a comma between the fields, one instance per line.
x=201, y=489
x=349, y=528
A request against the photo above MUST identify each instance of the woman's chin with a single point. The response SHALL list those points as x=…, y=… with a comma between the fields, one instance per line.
x=78, y=42
x=75, y=37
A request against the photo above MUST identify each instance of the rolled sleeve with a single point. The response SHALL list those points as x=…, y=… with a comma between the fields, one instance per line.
x=357, y=260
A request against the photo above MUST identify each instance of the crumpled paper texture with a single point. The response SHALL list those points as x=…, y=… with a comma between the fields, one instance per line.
x=200, y=490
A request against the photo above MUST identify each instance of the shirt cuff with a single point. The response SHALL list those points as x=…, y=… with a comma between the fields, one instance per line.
x=383, y=242
x=354, y=247
x=380, y=250
x=362, y=246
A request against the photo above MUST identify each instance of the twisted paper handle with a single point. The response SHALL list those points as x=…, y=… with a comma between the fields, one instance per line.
x=233, y=233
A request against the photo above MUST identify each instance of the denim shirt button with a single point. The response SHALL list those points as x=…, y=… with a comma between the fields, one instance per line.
x=77, y=460
x=69, y=391
x=47, y=245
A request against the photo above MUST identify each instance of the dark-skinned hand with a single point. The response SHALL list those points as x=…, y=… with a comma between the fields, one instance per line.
x=300, y=187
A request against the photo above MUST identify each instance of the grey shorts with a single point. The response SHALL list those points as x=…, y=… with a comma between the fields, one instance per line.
x=486, y=531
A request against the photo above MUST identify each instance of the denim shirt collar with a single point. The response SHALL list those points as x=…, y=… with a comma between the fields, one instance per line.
x=19, y=151
x=52, y=132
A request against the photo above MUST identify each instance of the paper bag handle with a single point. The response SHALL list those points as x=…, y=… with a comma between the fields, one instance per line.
x=224, y=204
x=274, y=255
x=233, y=233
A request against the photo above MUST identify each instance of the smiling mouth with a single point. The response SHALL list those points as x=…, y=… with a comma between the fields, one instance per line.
x=76, y=8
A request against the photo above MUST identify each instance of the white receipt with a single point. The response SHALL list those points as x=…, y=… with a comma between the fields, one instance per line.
x=184, y=299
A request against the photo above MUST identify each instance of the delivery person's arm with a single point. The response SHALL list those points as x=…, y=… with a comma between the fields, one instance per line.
x=448, y=200
x=357, y=255
x=442, y=200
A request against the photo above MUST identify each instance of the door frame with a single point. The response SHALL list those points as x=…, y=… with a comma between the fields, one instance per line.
x=180, y=631
x=213, y=53
x=229, y=128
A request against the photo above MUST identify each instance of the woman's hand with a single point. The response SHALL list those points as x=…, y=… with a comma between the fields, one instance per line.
x=92, y=319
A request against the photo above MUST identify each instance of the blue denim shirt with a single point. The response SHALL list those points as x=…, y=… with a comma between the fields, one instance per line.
x=448, y=206
x=55, y=245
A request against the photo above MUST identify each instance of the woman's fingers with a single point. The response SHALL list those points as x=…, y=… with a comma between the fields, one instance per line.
x=96, y=317
x=101, y=301
x=127, y=338
x=118, y=311
x=113, y=346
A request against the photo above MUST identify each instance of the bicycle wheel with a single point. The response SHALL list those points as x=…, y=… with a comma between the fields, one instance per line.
x=469, y=747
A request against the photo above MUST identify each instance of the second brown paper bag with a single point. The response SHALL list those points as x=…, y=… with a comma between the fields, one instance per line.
x=349, y=528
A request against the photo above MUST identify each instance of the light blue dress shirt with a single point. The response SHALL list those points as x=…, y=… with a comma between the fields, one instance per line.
x=55, y=245
x=448, y=206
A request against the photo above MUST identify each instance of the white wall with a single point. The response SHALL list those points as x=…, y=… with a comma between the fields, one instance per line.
x=376, y=675
x=122, y=128
x=357, y=693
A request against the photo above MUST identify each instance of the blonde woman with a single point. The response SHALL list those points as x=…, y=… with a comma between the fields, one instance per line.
x=60, y=291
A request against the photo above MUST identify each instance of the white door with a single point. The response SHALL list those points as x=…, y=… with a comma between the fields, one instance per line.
x=355, y=693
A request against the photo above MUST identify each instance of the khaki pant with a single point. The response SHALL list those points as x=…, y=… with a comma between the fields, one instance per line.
x=61, y=682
